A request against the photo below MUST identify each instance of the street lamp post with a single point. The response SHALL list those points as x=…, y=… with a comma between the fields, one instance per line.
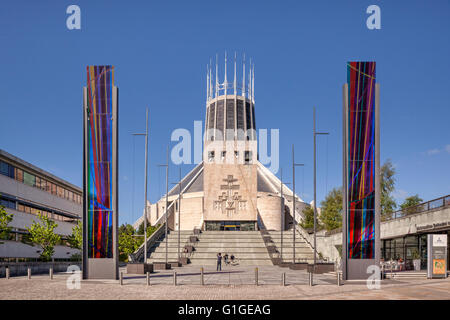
x=179, y=214
x=293, y=200
x=282, y=211
x=167, y=201
x=145, y=183
x=315, y=207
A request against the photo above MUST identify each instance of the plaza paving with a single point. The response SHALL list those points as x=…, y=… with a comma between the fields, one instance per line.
x=231, y=283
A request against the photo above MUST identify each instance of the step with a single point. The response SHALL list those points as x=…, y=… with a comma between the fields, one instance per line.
x=205, y=262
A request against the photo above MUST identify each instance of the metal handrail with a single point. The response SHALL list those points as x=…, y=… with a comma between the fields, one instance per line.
x=440, y=202
x=138, y=254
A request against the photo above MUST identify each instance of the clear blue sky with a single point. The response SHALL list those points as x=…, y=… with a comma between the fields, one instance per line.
x=160, y=50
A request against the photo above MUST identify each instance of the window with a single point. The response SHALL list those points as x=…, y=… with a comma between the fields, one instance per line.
x=224, y=154
x=8, y=203
x=29, y=179
x=44, y=185
x=60, y=191
x=4, y=168
x=248, y=157
x=236, y=154
x=210, y=156
x=38, y=182
x=53, y=188
x=18, y=174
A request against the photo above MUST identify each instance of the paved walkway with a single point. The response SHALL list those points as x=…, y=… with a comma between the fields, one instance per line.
x=232, y=283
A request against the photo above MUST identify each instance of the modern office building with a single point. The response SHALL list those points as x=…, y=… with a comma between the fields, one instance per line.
x=27, y=191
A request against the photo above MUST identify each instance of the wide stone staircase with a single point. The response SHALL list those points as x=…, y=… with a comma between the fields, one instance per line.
x=247, y=246
x=157, y=252
x=251, y=248
x=303, y=251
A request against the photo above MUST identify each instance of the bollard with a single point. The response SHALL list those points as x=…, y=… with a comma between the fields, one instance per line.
x=50, y=272
x=256, y=276
x=201, y=276
x=148, y=278
x=174, y=278
x=310, y=279
x=121, y=278
x=7, y=272
x=283, y=279
x=338, y=278
x=29, y=273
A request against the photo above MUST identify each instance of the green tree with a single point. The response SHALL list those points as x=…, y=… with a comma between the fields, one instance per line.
x=75, y=240
x=150, y=229
x=331, y=209
x=126, y=228
x=128, y=242
x=308, y=220
x=5, y=219
x=42, y=233
x=387, y=184
x=410, y=203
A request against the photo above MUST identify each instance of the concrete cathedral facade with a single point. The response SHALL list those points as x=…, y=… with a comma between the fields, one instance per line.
x=230, y=189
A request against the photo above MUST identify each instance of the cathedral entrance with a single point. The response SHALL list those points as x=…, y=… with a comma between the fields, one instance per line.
x=230, y=226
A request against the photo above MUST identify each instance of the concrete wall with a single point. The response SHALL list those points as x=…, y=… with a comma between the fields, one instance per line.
x=21, y=268
x=23, y=220
x=16, y=249
x=410, y=224
x=214, y=175
x=269, y=207
x=191, y=213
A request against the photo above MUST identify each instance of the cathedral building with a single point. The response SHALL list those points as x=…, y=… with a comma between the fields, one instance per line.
x=230, y=189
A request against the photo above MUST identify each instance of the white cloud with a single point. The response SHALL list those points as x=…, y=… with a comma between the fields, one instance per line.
x=433, y=152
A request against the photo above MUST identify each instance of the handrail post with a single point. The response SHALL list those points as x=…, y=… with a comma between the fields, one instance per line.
x=256, y=276
x=121, y=278
x=51, y=273
x=174, y=278
x=7, y=272
x=29, y=273
x=148, y=278
x=283, y=279
x=201, y=276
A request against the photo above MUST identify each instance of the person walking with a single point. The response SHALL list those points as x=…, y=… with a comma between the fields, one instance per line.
x=219, y=261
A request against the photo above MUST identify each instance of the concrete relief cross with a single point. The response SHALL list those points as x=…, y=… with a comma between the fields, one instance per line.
x=229, y=199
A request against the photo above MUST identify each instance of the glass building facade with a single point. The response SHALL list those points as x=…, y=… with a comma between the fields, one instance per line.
x=32, y=180
x=405, y=247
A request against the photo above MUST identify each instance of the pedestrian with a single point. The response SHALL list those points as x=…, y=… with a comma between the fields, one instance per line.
x=219, y=261
x=225, y=258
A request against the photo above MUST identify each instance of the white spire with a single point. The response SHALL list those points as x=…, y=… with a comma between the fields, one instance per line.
x=225, y=82
x=207, y=82
x=253, y=83
x=217, y=76
x=210, y=79
x=234, y=81
x=250, y=80
x=243, y=77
